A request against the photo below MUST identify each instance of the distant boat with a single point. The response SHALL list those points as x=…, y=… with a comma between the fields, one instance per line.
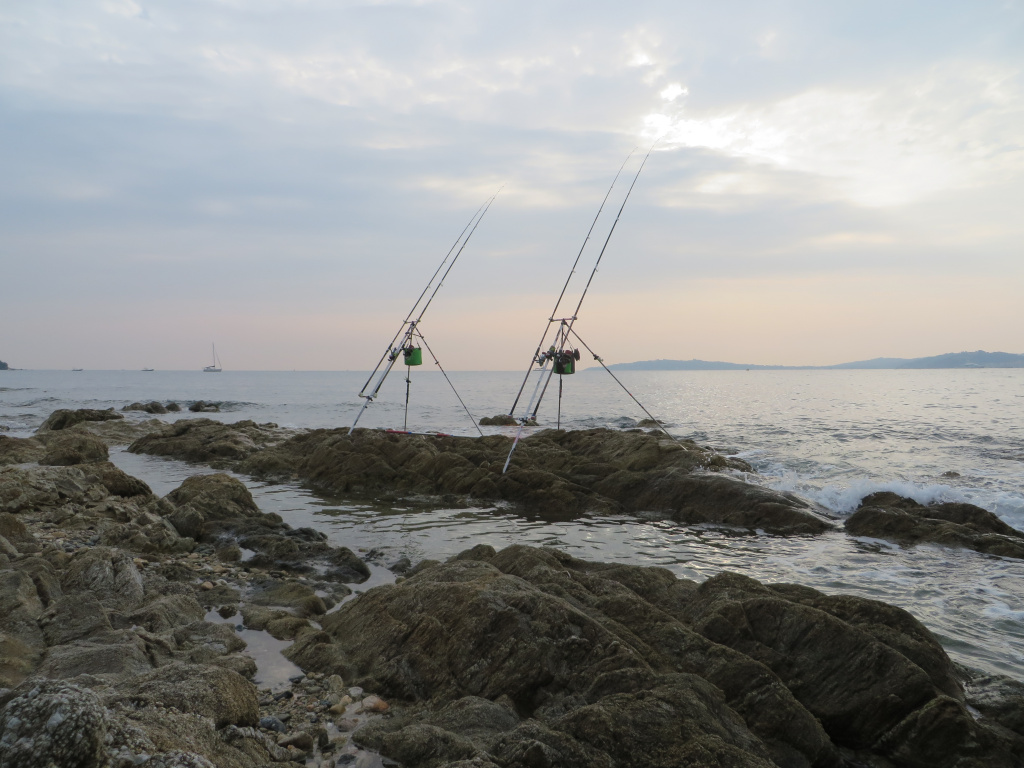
x=76, y=369
x=214, y=367
x=147, y=369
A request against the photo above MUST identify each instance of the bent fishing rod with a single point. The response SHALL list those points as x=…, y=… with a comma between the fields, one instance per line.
x=566, y=323
x=555, y=355
x=410, y=327
x=551, y=318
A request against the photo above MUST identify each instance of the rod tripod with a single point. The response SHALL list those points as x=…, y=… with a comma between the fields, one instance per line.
x=409, y=332
x=409, y=351
x=559, y=357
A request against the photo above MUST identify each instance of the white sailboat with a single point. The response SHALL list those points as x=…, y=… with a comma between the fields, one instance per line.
x=215, y=366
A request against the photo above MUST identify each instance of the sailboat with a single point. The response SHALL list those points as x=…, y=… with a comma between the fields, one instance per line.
x=214, y=367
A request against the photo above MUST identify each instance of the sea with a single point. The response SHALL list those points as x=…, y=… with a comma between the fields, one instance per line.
x=830, y=436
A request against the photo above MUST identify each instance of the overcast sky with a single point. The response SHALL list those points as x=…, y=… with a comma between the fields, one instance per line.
x=834, y=181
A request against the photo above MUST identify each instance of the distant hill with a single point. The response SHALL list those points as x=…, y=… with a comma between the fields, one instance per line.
x=979, y=359
x=3, y=365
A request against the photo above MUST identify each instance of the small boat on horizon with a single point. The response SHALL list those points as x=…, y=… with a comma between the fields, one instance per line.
x=147, y=369
x=214, y=367
x=77, y=369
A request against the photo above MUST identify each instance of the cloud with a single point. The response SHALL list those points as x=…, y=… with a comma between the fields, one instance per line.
x=952, y=127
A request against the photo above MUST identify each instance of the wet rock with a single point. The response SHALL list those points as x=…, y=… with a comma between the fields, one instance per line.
x=886, y=515
x=220, y=694
x=69, y=448
x=120, y=483
x=20, y=450
x=64, y=418
x=501, y=420
x=201, y=406
x=150, y=407
x=207, y=440
x=556, y=473
x=214, y=497
x=230, y=553
x=291, y=594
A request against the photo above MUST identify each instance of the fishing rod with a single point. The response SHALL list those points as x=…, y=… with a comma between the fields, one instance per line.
x=410, y=327
x=572, y=318
x=540, y=344
x=430, y=282
x=563, y=362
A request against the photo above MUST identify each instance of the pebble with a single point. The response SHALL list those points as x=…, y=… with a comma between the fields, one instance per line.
x=299, y=740
x=206, y=585
x=355, y=692
x=273, y=724
x=375, y=704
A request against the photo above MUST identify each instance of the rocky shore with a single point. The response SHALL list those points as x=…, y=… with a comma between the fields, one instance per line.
x=554, y=472
x=124, y=618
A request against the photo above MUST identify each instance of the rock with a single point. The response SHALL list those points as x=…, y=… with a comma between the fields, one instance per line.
x=214, y=497
x=374, y=704
x=8, y=549
x=17, y=661
x=290, y=594
x=150, y=407
x=54, y=724
x=230, y=553
x=120, y=483
x=20, y=608
x=556, y=473
x=69, y=448
x=64, y=418
x=12, y=529
x=114, y=655
x=201, y=406
x=108, y=574
x=72, y=618
x=208, y=440
x=604, y=664
x=886, y=515
x=273, y=724
x=166, y=613
x=300, y=740
x=220, y=694
x=501, y=420
x=20, y=450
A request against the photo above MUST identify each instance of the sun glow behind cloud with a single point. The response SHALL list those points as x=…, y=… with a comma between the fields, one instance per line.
x=951, y=128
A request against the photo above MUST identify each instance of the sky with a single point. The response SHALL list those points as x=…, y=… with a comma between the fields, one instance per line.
x=831, y=181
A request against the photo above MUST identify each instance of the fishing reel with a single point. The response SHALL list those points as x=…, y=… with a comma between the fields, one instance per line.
x=564, y=360
x=410, y=355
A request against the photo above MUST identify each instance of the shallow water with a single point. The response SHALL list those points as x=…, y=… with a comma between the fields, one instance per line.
x=973, y=603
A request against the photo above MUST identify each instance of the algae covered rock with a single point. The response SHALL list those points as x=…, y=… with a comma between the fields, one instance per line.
x=20, y=450
x=68, y=448
x=574, y=663
x=64, y=418
x=886, y=515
